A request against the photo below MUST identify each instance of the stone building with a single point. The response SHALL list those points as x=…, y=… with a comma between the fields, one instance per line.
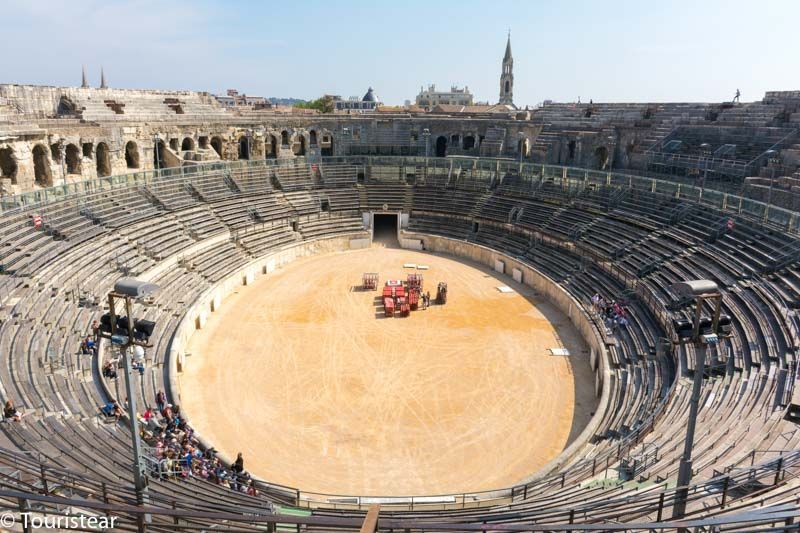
x=56, y=135
x=430, y=97
x=367, y=103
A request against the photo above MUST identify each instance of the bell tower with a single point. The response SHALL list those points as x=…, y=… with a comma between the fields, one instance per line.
x=507, y=76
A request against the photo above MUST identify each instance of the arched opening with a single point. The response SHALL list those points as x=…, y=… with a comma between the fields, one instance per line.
x=73, y=159
x=312, y=138
x=55, y=152
x=285, y=138
x=441, y=146
x=272, y=147
x=203, y=142
x=571, y=148
x=187, y=145
x=601, y=156
x=327, y=150
x=216, y=144
x=469, y=142
x=8, y=165
x=299, y=148
x=158, y=154
x=87, y=150
x=522, y=147
x=244, y=147
x=508, y=87
x=41, y=167
x=132, y=155
x=173, y=145
x=66, y=106
x=103, y=164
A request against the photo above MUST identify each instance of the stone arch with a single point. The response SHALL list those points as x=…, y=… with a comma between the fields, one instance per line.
x=312, y=138
x=523, y=147
x=42, y=175
x=73, y=159
x=187, y=145
x=244, y=147
x=441, y=146
x=299, y=147
x=469, y=142
x=216, y=144
x=601, y=157
x=285, y=138
x=102, y=160
x=8, y=164
x=272, y=147
x=158, y=154
x=132, y=155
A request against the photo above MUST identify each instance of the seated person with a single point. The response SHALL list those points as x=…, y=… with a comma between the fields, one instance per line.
x=10, y=412
x=112, y=408
x=109, y=371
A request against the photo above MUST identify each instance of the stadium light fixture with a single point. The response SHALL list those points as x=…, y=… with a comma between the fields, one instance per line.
x=129, y=334
x=700, y=332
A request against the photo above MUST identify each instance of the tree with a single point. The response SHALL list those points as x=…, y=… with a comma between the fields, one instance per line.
x=323, y=104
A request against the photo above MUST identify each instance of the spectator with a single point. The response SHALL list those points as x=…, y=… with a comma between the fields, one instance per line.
x=251, y=488
x=10, y=412
x=91, y=346
x=161, y=401
x=96, y=331
x=109, y=371
x=238, y=465
x=112, y=408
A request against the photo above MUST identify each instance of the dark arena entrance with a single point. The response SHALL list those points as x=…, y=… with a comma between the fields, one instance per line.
x=385, y=225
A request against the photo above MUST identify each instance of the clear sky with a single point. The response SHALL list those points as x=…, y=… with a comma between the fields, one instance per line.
x=614, y=50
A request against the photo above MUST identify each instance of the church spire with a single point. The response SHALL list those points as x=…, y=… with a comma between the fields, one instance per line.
x=103, y=79
x=84, y=83
x=507, y=76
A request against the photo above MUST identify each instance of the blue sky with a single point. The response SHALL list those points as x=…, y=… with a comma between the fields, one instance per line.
x=614, y=50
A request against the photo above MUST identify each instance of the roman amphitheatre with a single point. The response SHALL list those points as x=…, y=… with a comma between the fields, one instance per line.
x=182, y=280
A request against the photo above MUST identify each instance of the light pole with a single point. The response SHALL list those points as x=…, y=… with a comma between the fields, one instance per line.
x=129, y=333
x=706, y=151
x=426, y=134
x=699, y=332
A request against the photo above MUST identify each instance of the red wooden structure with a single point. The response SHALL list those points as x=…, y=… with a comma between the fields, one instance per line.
x=370, y=281
x=414, y=281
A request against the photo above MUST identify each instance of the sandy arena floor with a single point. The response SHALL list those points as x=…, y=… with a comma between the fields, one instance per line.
x=305, y=376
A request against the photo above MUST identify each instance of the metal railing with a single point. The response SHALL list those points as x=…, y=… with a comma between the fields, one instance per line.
x=568, y=177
